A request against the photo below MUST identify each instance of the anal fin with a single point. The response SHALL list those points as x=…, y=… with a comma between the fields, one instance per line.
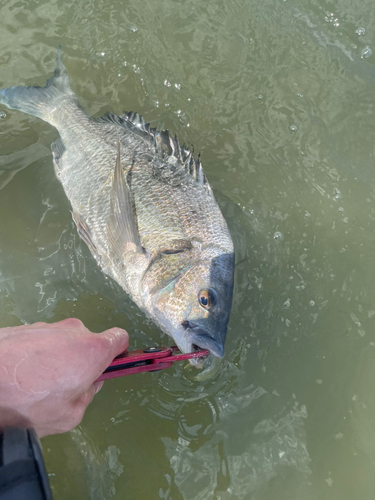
x=84, y=233
x=58, y=149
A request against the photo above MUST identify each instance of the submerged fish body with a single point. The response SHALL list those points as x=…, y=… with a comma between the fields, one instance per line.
x=144, y=207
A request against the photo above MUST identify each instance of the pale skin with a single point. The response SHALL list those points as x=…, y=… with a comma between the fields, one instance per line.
x=48, y=373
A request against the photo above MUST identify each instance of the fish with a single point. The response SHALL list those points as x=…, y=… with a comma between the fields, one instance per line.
x=144, y=207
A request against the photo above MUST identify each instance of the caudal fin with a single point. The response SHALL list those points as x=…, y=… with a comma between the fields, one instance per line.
x=39, y=101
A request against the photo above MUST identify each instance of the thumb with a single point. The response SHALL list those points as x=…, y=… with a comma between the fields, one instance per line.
x=116, y=341
x=107, y=345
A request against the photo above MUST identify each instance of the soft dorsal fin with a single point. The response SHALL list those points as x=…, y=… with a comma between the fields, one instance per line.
x=163, y=141
x=122, y=229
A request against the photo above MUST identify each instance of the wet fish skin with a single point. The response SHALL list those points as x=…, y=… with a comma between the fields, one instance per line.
x=145, y=209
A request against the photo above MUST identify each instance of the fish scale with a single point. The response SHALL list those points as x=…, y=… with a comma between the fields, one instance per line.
x=144, y=207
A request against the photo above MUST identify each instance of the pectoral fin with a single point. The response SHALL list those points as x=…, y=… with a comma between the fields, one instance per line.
x=122, y=229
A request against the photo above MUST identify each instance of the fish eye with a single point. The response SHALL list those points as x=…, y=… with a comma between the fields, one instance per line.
x=207, y=298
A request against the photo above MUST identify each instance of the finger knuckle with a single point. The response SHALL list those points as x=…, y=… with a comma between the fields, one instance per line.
x=78, y=414
x=73, y=323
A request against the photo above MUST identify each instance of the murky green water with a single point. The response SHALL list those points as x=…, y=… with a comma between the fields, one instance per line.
x=276, y=97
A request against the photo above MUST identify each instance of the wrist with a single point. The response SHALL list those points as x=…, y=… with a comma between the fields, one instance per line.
x=11, y=418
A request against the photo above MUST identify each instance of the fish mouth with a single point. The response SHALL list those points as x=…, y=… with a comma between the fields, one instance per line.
x=200, y=339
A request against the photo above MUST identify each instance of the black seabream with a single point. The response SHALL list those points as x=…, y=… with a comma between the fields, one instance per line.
x=145, y=209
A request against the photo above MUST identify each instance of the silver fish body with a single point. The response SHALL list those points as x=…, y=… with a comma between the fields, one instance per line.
x=145, y=209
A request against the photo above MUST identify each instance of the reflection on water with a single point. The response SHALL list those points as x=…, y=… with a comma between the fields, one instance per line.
x=276, y=447
x=278, y=98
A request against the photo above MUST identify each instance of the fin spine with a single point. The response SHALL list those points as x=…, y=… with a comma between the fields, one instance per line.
x=163, y=141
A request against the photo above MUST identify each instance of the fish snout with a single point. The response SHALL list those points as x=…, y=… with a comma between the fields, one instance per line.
x=207, y=342
x=198, y=337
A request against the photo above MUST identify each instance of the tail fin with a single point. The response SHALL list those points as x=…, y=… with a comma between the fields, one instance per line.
x=39, y=101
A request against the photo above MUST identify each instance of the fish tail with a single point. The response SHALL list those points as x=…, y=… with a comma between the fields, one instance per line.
x=39, y=101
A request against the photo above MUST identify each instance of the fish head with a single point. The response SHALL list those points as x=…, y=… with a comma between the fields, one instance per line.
x=194, y=307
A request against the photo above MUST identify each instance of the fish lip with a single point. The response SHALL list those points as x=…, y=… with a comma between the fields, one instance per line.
x=201, y=339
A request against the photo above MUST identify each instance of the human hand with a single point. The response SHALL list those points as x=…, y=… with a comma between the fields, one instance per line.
x=48, y=373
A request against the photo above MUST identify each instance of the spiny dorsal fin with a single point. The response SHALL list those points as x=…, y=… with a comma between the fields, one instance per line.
x=163, y=141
